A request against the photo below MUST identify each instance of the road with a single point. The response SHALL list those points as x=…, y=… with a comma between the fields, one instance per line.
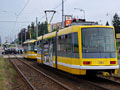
x=1, y=51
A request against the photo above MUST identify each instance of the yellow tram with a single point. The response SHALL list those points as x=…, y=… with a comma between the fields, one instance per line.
x=30, y=52
x=81, y=49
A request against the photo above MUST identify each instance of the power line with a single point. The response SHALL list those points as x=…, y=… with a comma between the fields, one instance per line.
x=23, y=8
x=17, y=15
x=15, y=21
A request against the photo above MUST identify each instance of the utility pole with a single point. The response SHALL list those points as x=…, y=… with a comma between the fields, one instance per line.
x=21, y=37
x=25, y=34
x=36, y=27
x=62, y=14
x=15, y=41
x=30, y=32
x=0, y=41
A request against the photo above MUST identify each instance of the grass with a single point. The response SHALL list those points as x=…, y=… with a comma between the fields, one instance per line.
x=3, y=77
x=117, y=45
x=118, y=72
x=118, y=57
x=11, y=73
x=8, y=78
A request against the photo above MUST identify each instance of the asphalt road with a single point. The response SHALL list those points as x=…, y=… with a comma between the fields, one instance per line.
x=0, y=52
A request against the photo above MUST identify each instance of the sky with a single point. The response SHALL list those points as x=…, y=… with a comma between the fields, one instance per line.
x=95, y=10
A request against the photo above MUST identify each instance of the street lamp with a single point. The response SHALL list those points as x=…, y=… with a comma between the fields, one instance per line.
x=109, y=15
x=81, y=11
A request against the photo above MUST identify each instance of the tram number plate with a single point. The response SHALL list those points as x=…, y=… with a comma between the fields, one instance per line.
x=101, y=62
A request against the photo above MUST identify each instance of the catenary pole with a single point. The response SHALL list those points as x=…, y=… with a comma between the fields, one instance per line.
x=62, y=13
x=36, y=27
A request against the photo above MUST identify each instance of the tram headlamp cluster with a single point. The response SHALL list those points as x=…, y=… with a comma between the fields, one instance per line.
x=112, y=62
x=86, y=62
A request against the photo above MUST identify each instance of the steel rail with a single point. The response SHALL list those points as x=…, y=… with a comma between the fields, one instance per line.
x=91, y=83
x=29, y=85
x=118, y=83
x=77, y=79
x=49, y=77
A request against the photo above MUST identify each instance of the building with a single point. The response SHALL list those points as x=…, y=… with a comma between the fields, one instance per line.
x=56, y=25
x=118, y=37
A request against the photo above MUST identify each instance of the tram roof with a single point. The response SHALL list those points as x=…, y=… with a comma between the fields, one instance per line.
x=70, y=29
x=29, y=41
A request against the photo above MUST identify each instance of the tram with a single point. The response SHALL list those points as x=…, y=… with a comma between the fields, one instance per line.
x=30, y=52
x=81, y=49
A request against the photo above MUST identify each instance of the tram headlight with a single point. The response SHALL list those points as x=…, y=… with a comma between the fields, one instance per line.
x=86, y=62
x=112, y=62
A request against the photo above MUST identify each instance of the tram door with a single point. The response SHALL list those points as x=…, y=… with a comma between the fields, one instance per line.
x=47, y=52
x=51, y=54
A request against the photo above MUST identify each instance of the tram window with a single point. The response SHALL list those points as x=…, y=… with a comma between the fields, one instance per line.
x=38, y=42
x=98, y=43
x=39, y=46
x=59, y=37
x=66, y=36
x=29, y=48
x=54, y=45
x=32, y=46
x=65, y=45
x=75, y=42
x=68, y=43
x=25, y=47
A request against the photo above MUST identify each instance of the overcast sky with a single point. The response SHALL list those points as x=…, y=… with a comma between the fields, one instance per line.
x=95, y=10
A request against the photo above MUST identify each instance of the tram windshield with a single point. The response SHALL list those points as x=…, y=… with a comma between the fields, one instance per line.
x=98, y=43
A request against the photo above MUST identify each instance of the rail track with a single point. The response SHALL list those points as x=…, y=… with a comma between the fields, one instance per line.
x=36, y=79
x=105, y=82
x=96, y=83
x=78, y=83
x=112, y=78
x=25, y=80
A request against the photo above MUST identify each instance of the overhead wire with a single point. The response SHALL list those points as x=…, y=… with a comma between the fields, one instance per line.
x=17, y=15
x=23, y=8
x=14, y=21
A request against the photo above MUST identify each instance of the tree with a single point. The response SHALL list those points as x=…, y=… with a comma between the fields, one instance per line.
x=28, y=33
x=42, y=28
x=116, y=23
x=107, y=24
x=57, y=29
x=33, y=32
x=46, y=27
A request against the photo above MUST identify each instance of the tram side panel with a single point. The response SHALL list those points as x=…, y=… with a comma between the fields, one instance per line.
x=68, y=58
x=25, y=50
x=68, y=53
x=39, y=52
x=32, y=54
x=74, y=57
x=29, y=51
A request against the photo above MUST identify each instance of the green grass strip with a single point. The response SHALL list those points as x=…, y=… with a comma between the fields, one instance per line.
x=3, y=78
